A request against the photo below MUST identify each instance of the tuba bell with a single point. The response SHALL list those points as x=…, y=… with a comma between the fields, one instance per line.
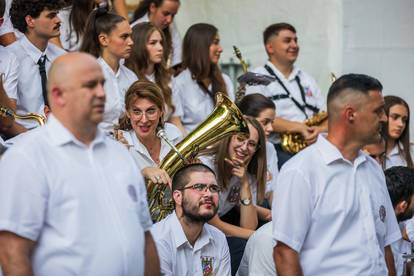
x=226, y=119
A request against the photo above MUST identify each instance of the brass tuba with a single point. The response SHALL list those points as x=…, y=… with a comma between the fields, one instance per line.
x=226, y=119
x=7, y=112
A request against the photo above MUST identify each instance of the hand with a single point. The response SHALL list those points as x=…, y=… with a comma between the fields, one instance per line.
x=238, y=167
x=157, y=175
x=310, y=134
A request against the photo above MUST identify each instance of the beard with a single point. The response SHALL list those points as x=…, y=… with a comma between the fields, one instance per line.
x=191, y=211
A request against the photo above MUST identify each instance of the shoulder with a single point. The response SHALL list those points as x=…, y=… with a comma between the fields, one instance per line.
x=128, y=72
x=172, y=132
x=162, y=229
x=260, y=70
x=217, y=235
x=29, y=144
x=54, y=51
x=16, y=47
x=7, y=55
x=183, y=76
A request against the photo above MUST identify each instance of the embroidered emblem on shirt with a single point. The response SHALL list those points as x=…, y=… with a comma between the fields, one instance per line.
x=308, y=92
x=382, y=213
x=234, y=195
x=207, y=265
x=132, y=193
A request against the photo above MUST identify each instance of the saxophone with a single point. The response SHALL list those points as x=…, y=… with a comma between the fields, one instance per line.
x=7, y=112
x=226, y=119
x=241, y=91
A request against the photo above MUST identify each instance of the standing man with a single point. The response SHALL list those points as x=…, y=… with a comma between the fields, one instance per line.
x=38, y=21
x=335, y=217
x=72, y=201
x=187, y=245
x=295, y=93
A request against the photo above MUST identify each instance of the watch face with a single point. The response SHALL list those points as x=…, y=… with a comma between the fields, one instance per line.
x=245, y=201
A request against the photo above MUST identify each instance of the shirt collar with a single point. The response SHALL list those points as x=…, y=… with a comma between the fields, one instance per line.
x=32, y=50
x=61, y=135
x=395, y=150
x=331, y=153
x=295, y=72
x=108, y=68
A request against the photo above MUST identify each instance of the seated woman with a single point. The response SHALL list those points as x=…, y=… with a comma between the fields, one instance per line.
x=194, y=89
x=399, y=150
x=264, y=111
x=147, y=60
x=138, y=129
x=240, y=165
x=108, y=37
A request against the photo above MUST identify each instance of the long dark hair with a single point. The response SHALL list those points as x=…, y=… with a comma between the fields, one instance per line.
x=99, y=21
x=404, y=139
x=196, y=57
x=79, y=15
x=253, y=104
x=138, y=61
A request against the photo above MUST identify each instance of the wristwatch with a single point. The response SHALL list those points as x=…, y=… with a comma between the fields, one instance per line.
x=246, y=201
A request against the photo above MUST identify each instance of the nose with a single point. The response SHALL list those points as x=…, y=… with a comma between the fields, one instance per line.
x=159, y=47
x=144, y=117
x=100, y=91
x=130, y=41
x=383, y=117
x=220, y=49
x=169, y=19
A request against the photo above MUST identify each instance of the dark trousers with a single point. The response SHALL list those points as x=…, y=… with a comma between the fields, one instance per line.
x=282, y=155
x=236, y=247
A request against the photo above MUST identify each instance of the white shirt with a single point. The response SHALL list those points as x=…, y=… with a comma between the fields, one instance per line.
x=85, y=206
x=257, y=259
x=400, y=248
x=140, y=153
x=116, y=86
x=7, y=26
x=394, y=158
x=68, y=37
x=29, y=87
x=272, y=168
x=9, y=68
x=337, y=214
x=178, y=257
x=192, y=104
x=175, y=38
x=286, y=108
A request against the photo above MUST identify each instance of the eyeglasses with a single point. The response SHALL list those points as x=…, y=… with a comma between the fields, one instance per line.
x=150, y=114
x=251, y=145
x=201, y=187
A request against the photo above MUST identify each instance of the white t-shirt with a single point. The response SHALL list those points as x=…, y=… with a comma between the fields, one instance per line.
x=140, y=153
x=210, y=252
x=394, y=158
x=192, y=104
x=9, y=68
x=337, y=214
x=175, y=38
x=257, y=259
x=285, y=107
x=116, y=86
x=29, y=87
x=68, y=37
x=85, y=206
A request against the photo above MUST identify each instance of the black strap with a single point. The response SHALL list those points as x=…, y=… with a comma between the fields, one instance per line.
x=289, y=95
x=42, y=70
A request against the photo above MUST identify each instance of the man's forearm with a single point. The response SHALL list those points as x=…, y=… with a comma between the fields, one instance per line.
x=389, y=260
x=282, y=125
x=286, y=261
x=152, y=262
x=16, y=266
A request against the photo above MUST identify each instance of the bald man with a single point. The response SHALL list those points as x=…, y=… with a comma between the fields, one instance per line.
x=332, y=211
x=72, y=202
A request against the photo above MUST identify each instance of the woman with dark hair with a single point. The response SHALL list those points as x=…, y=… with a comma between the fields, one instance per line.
x=264, y=111
x=161, y=13
x=108, y=38
x=138, y=127
x=147, y=60
x=195, y=88
x=399, y=150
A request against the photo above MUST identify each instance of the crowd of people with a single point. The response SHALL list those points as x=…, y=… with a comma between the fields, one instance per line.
x=73, y=192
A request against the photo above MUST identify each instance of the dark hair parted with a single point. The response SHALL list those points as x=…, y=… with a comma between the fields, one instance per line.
x=404, y=139
x=400, y=184
x=139, y=59
x=21, y=8
x=99, y=21
x=196, y=57
x=78, y=16
x=141, y=89
x=274, y=29
x=182, y=176
x=2, y=8
x=253, y=104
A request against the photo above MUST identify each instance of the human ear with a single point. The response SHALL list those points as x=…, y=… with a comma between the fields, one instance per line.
x=103, y=39
x=401, y=207
x=178, y=197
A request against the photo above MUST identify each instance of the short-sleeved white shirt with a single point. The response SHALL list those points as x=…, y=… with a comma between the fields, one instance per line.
x=192, y=104
x=68, y=37
x=178, y=257
x=9, y=68
x=175, y=38
x=29, y=87
x=337, y=214
x=272, y=167
x=286, y=108
x=85, y=206
x=7, y=26
x=116, y=86
x=257, y=259
x=394, y=158
x=400, y=248
x=140, y=153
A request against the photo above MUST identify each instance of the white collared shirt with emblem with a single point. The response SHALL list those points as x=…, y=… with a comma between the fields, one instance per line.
x=395, y=158
x=192, y=104
x=175, y=37
x=85, y=206
x=116, y=86
x=178, y=257
x=140, y=153
x=285, y=107
x=337, y=214
x=29, y=87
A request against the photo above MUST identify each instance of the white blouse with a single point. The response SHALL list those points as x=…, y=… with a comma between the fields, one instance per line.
x=394, y=158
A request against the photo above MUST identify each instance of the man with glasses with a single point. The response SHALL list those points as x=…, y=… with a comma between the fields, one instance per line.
x=186, y=244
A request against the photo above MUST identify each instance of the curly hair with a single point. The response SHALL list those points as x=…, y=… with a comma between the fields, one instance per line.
x=400, y=181
x=22, y=8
